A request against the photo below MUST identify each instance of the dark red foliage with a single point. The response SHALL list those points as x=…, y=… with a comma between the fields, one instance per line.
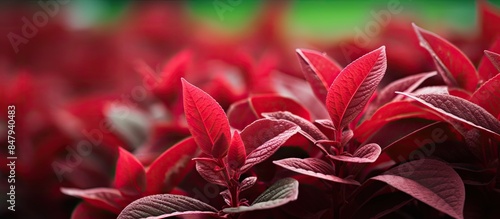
x=407, y=126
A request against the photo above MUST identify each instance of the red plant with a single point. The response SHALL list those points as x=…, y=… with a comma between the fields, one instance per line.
x=400, y=132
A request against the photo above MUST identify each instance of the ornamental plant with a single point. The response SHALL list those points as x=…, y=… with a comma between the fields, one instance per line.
x=366, y=170
x=406, y=126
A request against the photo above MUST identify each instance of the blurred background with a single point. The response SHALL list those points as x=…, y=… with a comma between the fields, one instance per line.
x=61, y=61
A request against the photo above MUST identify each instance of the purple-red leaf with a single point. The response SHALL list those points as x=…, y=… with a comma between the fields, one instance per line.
x=206, y=120
x=352, y=89
x=103, y=198
x=170, y=168
x=346, y=136
x=453, y=66
x=391, y=112
x=407, y=84
x=304, y=124
x=299, y=90
x=457, y=109
x=165, y=205
x=247, y=183
x=431, y=182
x=365, y=154
x=130, y=176
x=488, y=96
x=283, y=191
x=236, y=156
x=244, y=112
x=319, y=70
x=313, y=167
x=211, y=172
x=264, y=137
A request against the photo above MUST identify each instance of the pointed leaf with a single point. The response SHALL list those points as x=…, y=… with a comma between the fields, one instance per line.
x=244, y=112
x=210, y=172
x=167, y=83
x=304, y=124
x=453, y=66
x=494, y=58
x=346, y=136
x=457, y=109
x=489, y=17
x=236, y=156
x=170, y=168
x=299, y=90
x=165, y=205
x=365, y=154
x=102, y=198
x=326, y=123
x=319, y=70
x=264, y=137
x=280, y=193
x=130, y=176
x=313, y=167
x=486, y=68
x=206, y=120
x=351, y=90
x=247, y=183
x=391, y=112
x=431, y=182
x=407, y=84
x=488, y=96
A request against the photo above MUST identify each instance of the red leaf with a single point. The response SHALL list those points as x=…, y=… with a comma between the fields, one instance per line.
x=299, y=90
x=244, y=112
x=313, y=167
x=102, y=198
x=494, y=58
x=412, y=139
x=407, y=84
x=170, y=168
x=457, y=109
x=264, y=137
x=354, y=86
x=211, y=172
x=130, y=176
x=206, y=120
x=486, y=68
x=489, y=17
x=365, y=154
x=236, y=156
x=165, y=205
x=304, y=124
x=488, y=96
x=431, y=182
x=319, y=70
x=391, y=112
x=453, y=66
x=168, y=81
x=459, y=92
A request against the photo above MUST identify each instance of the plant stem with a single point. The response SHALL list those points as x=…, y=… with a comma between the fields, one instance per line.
x=232, y=184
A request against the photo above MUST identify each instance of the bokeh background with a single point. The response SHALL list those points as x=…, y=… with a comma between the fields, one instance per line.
x=61, y=61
